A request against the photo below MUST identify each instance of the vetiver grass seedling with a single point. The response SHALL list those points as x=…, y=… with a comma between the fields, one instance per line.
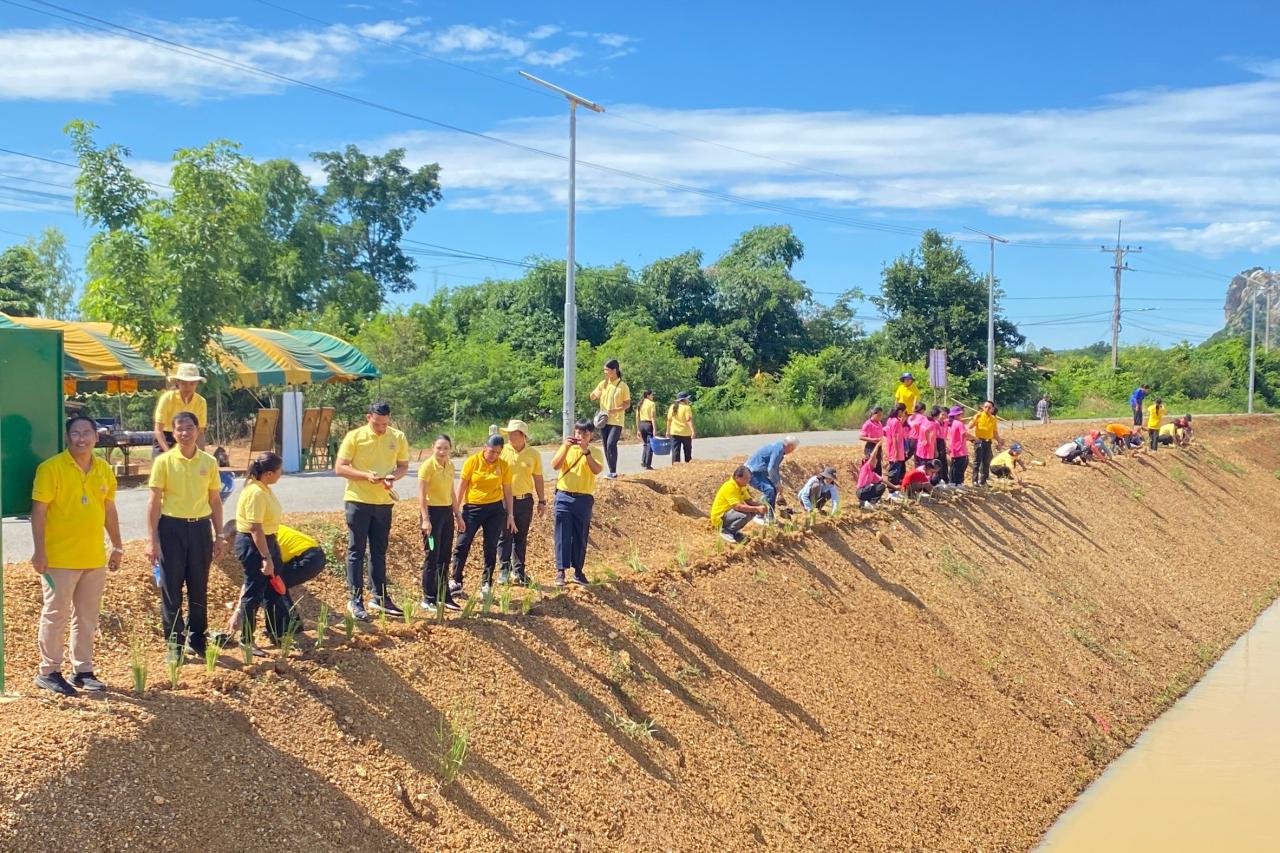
x=486, y=601
x=636, y=628
x=469, y=609
x=527, y=604
x=322, y=623
x=211, y=652
x=349, y=626
x=442, y=589
x=633, y=557
x=409, y=605
x=383, y=619
x=641, y=730
x=289, y=636
x=682, y=555
x=173, y=660
x=504, y=599
x=953, y=565
x=454, y=738
x=138, y=664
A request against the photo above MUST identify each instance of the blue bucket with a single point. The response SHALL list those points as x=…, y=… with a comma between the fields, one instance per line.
x=660, y=446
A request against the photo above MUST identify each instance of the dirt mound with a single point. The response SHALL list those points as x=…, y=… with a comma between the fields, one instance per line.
x=940, y=676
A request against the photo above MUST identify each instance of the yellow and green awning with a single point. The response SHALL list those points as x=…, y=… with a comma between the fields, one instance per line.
x=249, y=357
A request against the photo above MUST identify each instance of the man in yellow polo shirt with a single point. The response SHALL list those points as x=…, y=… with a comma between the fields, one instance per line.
x=733, y=506
x=184, y=502
x=183, y=398
x=985, y=429
x=371, y=458
x=526, y=486
x=73, y=499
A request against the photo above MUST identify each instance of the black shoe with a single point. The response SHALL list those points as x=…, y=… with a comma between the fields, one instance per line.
x=450, y=604
x=55, y=683
x=192, y=651
x=356, y=608
x=385, y=605
x=523, y=579
x=580, y=579
x=87, y=682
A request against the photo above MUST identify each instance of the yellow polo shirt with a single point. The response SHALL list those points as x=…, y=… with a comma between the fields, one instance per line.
x=613, y=394
x=577, y=476
x=524, y=466
x=1004, y=459
x=439, y=480
x=983, y=426
x=1168, y=430
x=1155, y=414
x=378, y=454
x=171, y=403
x=680, y=419
x=293, y=543
x=486, y=480
x=77, y=510
x=258, y=505
x=908, y=395
x=729, y=495
x=648, y=411
x=186, y=483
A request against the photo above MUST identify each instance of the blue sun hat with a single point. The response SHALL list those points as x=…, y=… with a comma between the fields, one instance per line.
x=1015, y=448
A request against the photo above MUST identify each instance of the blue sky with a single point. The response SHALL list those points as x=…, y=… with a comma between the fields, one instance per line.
x=858, y=124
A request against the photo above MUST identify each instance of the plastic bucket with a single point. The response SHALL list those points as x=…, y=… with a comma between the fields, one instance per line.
x=660, y=446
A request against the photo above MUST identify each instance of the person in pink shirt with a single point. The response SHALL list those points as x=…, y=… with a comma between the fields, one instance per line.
x=939, y=416
x=870, y=488
x=913, y=430
x=895, y=435
x=926, y=440
x=872, y=433
x=958, y=436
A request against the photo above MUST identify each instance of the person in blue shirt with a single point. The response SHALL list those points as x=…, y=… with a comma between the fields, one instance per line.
x=1135, y=403
x=766, y=468
x=819, y=490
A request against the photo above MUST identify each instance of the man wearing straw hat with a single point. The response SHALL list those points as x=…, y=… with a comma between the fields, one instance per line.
x=183, y=398
x=527, y=485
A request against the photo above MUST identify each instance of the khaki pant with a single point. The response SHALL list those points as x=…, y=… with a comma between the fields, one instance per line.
x=76, y=595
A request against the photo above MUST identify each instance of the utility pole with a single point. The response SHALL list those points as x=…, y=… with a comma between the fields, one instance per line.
x=991, y=311
x=1252, y=291
x=569, y=405
x=1266, y=319
x=1120, y=266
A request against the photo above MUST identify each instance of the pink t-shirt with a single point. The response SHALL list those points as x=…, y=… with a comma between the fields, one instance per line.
x=872, y=431
x=867, y=475
x=956, y=444
x=913, y=426
x=927, y=443
x=894, y=450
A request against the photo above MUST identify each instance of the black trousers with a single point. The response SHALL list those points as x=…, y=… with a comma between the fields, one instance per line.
x=257, y=589
x=909, y=446
x=186, y=550
x=1137, y=416
x=302, y=568
x=514, y=545
x=871, y=493
x=940, y=453
x=958, y=466
x=897, y=470
x=678, y=442
x=476, y=517
x=435, y=561
x=981, y=461
x=646, y=450
x=1002, y=472
x=611, y=435
x=368, y=526
x=1153, y=438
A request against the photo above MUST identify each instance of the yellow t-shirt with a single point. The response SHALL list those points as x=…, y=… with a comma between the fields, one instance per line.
x=1155, y=414
x=908, y=395
x=1168, y=430
x=983, y=426
x=577, y=475
x=648, y=411
x=77, y=510
x=378, y=454
x=680, y=419
x=293, y=543
x=170, y=404
x=258, y=505
x=524, y=465
x=613, y=394
x=439, y=480
x=729, y=495
x=186, y=483
x=1004, y=458
x=486, y=480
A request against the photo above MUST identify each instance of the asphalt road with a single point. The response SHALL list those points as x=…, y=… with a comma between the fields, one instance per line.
x=321, y=491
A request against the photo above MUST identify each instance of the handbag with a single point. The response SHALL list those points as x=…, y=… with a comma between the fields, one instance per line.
x=601, y=419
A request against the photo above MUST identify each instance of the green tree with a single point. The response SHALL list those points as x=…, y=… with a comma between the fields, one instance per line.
x=760, y=301
x=57, y=280
x=648, y=359
x=678, y=292
x=20, y=290
x=933, y=298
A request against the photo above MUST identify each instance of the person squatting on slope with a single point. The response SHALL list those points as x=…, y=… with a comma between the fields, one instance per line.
x=734, y=506
x=1005, y=465
x=820, y=489
x=766, y=469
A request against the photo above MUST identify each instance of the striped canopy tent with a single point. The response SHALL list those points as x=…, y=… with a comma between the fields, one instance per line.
x=248, y=357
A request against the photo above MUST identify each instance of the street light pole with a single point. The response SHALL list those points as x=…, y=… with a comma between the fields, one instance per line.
x=569, y=405
x=1253, y=331
x=991, y=312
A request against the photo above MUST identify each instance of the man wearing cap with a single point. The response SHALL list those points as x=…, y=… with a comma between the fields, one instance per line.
x=819, y=490
x=183, y=398
x=1006, y=465
x=766, y=468
x=526, y=486
x=371, y=458
x=907, y=393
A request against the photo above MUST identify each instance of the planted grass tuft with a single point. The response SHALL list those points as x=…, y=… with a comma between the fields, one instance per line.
x=138, y=663
x=453, y=736
x=633, y=556
x=639, y=730
x=955, y=566
x=211, y=653
x=322, y=624
x=637, y=629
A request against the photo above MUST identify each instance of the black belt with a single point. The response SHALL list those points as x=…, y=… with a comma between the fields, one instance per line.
x=527, y=496
x=187, y=520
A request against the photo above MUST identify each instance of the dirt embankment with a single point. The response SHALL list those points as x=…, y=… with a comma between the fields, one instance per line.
x=945, y=676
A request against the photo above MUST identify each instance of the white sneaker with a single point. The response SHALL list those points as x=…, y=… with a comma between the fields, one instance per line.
x=485, y=589
x=759, y=519
x=868, y=505
x=454, y=587
x=728, y=537
x=895, y=496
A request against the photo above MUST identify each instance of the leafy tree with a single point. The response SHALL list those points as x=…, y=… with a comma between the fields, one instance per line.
x=56, y=275
x=648, y=360
x=759, y=299
x=678, y=292
x=933, y=298
x=20, y=290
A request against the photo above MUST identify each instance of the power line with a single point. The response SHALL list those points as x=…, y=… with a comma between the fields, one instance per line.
x=1120, y=266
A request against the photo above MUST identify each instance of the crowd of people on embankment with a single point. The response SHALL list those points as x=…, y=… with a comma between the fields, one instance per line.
x=908, y=452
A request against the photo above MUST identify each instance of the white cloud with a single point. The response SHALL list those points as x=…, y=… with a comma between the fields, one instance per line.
x=464, y=38
x=542, y=32
x=1194, y=168
x=552, y=58
x=385, y=30
x=613, y=39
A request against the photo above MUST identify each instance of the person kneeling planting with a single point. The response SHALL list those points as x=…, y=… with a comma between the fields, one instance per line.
x=919, y=480
x=870, y=486
x=1005, y=465
x=733, y=506
x=819, y=490
x=766, y=468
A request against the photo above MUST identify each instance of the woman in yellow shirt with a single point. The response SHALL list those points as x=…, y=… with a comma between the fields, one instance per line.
x=436, y=516
x=482, y=502
x=615, y=399
x=1155, y=417
x=578, y=463
x=680, y=428
x=257, y=521
x=646, y=420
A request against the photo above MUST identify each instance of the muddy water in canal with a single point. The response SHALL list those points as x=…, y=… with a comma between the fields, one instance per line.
x=1205, y=776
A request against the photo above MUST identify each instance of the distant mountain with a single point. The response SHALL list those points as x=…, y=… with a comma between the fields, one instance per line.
x=1236, y=310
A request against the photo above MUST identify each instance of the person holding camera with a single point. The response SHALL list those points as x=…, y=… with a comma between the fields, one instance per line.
x=578, y=463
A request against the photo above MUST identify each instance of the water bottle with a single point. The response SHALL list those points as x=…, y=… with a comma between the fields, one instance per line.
x=155, y=573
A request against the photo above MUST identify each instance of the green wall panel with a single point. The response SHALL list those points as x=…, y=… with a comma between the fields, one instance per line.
x=31, y=418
